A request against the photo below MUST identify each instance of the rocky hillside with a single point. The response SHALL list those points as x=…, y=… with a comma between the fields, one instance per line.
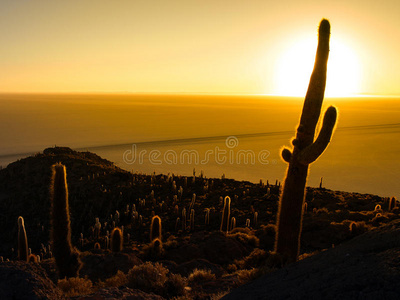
x=99, y=189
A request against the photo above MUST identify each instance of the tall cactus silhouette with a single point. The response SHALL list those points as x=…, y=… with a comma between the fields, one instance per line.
x=66, y=256
x=305, y=151
x=22, y=240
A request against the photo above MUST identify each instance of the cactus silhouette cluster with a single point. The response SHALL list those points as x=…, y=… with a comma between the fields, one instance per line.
x=305, y=151
x=66, y=256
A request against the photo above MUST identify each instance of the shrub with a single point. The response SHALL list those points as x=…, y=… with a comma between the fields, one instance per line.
x=255, y=258
x=200, y=276
x=245, y=276
x=246, y=238
x=117, y=280
x=75, y=286
x=148, y=277
x=175, y=286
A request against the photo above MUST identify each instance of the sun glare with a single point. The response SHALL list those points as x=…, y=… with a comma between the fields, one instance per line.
x=294, y=68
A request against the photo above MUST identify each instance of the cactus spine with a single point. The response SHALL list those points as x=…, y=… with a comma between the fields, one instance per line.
x=22, y=240
x=226, y=214
x=305, y=151
x=117, y=240
x=155, y=228
x=66, y=256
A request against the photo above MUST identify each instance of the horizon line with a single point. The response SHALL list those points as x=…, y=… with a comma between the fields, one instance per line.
x=127, y=93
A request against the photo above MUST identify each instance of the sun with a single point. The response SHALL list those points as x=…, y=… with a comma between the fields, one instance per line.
x=293, y=69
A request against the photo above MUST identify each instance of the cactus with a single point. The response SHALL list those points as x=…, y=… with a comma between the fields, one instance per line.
x=32, y=258
x=97, y=228
x=305, y=151
x=117, y=240
x=155, y=228
x=233, y=223
x=156, y=248
x=66, y=256
x=22, y=240
x=226, y=214
x=184, y=219
x=392, y=203
x=353, y=227
x=255, y=218
x=207, y=217
x=106, y=243
x=192, y=220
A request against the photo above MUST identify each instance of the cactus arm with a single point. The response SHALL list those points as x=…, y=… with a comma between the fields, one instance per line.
x=286, y=154
x=313, y=151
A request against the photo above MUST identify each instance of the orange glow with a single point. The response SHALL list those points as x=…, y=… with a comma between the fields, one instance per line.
x=232, y=47
x=294, y=68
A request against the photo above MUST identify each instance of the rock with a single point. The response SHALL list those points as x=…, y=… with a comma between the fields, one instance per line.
x=21, y=280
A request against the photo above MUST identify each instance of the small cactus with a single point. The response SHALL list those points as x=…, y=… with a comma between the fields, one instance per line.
x=106, y=243
x=22, y=240
x=156, y=248
x=233, y=223
x=117, y=240
x=192, y=220
x=207, y=217
x=392, y=203
x=226, y=214
x=178, y=220
x=155, y=228
x=32, y=258
x=353, y=227
x=255, y=218
x=66, y=256
x=305, y=151
x=184, y=219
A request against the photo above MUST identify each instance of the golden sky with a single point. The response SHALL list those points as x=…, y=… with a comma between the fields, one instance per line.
x=188, y=46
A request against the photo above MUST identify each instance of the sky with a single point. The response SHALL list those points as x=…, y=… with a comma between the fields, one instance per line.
x=176, y=46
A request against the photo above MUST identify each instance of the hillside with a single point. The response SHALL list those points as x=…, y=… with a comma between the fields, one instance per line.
x=99, y=189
